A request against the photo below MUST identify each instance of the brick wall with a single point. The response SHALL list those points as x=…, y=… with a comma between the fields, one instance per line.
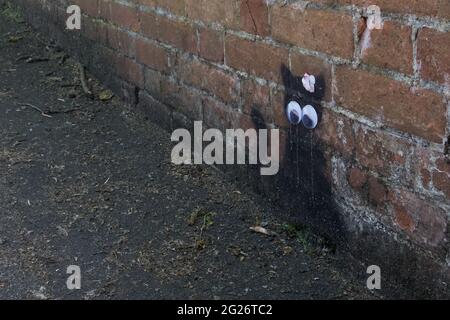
x=375, y=174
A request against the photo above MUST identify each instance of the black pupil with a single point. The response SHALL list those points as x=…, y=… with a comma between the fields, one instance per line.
x=295, y=117
x=307, y=121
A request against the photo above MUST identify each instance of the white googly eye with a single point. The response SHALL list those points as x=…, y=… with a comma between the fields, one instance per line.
x=310, y=117
x=309, y=82
x=294, y=112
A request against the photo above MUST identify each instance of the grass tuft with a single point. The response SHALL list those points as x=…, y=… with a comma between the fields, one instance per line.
x=12, y=13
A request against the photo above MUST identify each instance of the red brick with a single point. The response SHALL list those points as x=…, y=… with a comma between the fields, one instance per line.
x=357, y=178
x=216, y=114
x=121, y=41
x=435, y=8
x=388, y=155
x=178, y=34
x=121, y=15
x=255, y=17
x=182, y=99
x=433, y=171
x=152, y=55
x=404, y=220
x=256, y=98
x=377, y=192
x=419, y=112
x=434, y=55
x=420, y=219
x=325, y=31
x=336, y=132
x=390, y=47
x=222, y=12
x=129, y=70
x=172, y=32
x=153, y=83
x=149, y=25
x=441, y=181
x=212, y=45
x=104, y=9
x=258, y=59
x=209, y=78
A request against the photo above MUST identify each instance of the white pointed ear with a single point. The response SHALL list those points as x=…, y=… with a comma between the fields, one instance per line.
x=294, y=112
x=310, y=118
x=309, y=82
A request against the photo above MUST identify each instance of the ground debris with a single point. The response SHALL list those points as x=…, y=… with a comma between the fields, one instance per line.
x=259, y=229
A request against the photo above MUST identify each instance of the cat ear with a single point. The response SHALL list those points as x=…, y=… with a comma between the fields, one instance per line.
x=258, y=118
x=309, y=82
x=319, y=87
x=289, y=79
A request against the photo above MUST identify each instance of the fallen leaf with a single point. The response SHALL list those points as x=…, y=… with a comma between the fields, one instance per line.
x=106, y=95
x=261, y=230
x=14, y=39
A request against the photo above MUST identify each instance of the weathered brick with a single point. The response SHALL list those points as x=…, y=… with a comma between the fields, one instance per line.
x=433, y=171
x=172, y=32
x=383, y=153
x=121, y=41
x=326, y=31
x=152, y=55
x=212, y=45
x=258, y=59
x=222, y=12
x=255, y=17
x=434, y=8
x=178, y=34
x=155, y=110
x=434, y=55
x=129, y=70
x=377, y=191
x=182, y=99
x=336, y=132
x=149, y=25
x=153, y=83
x=256, y=99
x=419, y=112
x=441, y=181
x=119, y=14
x=209, y=78
x=391, y=47
x=357, y=178
x=216, y=114
x=420, y=219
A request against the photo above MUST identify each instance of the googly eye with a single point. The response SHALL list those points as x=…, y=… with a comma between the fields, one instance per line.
x=294, y=112
x=310, y=117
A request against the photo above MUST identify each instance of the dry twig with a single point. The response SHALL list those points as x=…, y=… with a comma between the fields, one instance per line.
x=29, y=105
x=83, y=80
